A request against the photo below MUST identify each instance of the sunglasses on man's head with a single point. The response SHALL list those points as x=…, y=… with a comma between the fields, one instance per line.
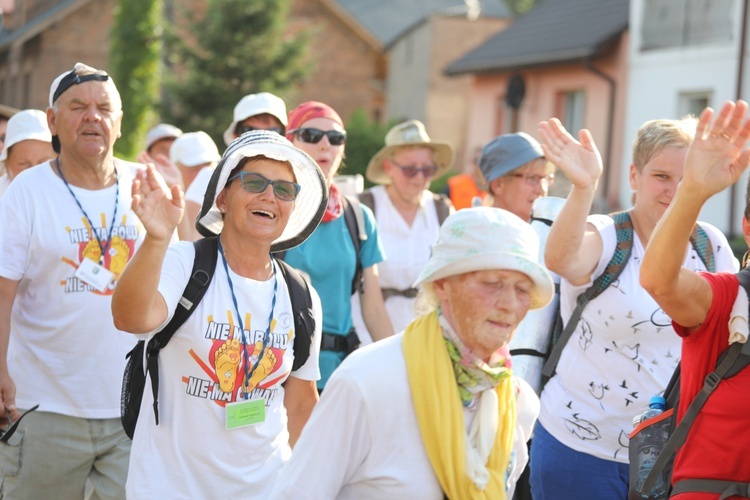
x=241, y=129
x=411, y=171
x=256, y=183
x=314, y=135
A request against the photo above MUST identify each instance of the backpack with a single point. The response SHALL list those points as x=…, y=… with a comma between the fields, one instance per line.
x=204, y=265
x=624, y=231
x=732, y=361
x=443, y=204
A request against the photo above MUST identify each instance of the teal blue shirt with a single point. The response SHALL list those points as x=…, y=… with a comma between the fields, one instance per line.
x=328, y=258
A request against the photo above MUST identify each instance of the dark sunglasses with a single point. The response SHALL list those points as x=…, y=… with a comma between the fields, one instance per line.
x=314, y=135
x=249, y=128
x=256, y=183
x=411, y=171
x=5, y=434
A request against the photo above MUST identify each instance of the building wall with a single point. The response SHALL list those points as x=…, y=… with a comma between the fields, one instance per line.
x=447, y=98
x=658, y=77
x=346, y=72
x=489, y=116
x=409, y=75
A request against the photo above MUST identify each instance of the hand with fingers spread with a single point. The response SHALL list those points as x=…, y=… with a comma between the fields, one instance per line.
x=580, y=161
x=158, y=207
x=716, y=158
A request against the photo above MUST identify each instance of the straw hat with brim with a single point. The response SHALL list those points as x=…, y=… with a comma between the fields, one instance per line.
x=309, y=205
x=487, y=238
x=29, y=124
x=409, y=133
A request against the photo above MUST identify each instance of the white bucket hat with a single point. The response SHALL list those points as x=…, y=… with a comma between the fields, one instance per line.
x=309, y=205
x=487, y=238
x=29, y=124
x=253, y=105
x=409, y=133
x=161, y=131
x=193, y=149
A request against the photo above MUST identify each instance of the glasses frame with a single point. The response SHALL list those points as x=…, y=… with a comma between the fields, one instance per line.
x=241, y=176
x=335, y=137
x=534, y=180
x=411, y=171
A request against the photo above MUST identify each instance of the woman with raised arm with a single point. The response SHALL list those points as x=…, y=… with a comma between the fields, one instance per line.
x=710, y=311
x=231, y=400
x=622, y=350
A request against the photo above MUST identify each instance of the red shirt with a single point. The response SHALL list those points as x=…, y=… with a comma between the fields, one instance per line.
x=718, y=445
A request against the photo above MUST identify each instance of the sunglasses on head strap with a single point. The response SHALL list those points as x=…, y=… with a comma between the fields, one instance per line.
x=255, y=183
x=314, y=135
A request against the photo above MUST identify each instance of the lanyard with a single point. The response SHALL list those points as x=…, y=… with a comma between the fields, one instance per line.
x=267, y=336
x=102, y=248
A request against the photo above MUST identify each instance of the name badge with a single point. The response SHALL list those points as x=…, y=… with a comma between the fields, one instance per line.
x=94, y=274
x=244, y=413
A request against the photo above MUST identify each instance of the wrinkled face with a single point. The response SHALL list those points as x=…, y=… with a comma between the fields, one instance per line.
x=323, y=152
x=485, y=307
x=263, y=121
x=516, y=191
x=87, y=119
x=399, y=167
x=260, y=216
x=161, y=147
x=656, y=183
x=25, y=154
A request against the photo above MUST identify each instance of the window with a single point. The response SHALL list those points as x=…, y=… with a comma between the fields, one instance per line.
x=680, y=23
x=693, y=103
x=570, y=110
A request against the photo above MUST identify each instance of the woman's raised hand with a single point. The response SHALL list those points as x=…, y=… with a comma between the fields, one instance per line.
x=717, y=156
x=158, y=207
x=580, y=161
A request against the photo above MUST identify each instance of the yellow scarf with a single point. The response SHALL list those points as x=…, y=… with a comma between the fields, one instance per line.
x=440, y=414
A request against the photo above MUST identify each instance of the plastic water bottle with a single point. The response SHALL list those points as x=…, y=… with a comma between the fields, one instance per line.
x=651, y=445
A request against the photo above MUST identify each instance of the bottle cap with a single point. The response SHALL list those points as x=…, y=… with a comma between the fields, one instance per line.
x=657, y=401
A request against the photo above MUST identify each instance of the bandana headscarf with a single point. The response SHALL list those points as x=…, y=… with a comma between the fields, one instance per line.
x=306, y=112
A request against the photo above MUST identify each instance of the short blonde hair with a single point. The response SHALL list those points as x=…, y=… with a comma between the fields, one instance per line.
x=656, y=135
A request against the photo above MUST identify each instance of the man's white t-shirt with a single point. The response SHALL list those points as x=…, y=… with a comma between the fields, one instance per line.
x=197, y=189
x=191, y=454
x=65, y=353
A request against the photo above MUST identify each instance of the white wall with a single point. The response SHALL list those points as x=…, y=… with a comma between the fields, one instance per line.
x=658, y=77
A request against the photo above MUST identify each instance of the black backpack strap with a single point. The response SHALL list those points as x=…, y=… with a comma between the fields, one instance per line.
x=624, y=231
x=702, y=245
x=443, y=206
x=355, y=223
x=304, y=321
x=204, y=265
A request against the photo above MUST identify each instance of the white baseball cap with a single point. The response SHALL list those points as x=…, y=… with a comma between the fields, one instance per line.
x=29, y=124
x=253, y=105
x=193, y=149
x=161, y=131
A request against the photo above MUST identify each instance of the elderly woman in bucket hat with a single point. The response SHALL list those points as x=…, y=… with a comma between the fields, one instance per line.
x=264, y=195
x=329, y=256
x=407, y=212
x=435, y=411
x=28, y=142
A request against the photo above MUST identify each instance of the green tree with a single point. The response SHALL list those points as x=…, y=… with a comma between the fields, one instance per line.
x=239, y=47
x=136, y=45
x=364, y=138
x=520, y=7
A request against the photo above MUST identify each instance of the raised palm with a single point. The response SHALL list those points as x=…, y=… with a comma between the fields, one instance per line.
x=580, y=161
x=716, y=158
x=158, y=207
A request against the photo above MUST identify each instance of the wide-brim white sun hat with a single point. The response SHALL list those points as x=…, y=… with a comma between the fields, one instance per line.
x=308, y=207
x=193, y=149
x=254, y=105
x=161, y=131
x=29, y=124
x=487, y=238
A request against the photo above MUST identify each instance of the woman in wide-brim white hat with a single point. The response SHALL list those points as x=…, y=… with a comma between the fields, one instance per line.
x=236, y=348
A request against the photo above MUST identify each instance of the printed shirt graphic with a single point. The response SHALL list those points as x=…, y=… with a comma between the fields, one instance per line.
x=64, y=351
x=200, y=371
x=623, y=351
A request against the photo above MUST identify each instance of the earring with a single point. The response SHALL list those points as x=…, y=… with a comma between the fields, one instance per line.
x=221, y=209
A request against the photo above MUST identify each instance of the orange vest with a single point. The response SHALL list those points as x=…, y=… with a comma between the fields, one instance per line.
x=462, y=189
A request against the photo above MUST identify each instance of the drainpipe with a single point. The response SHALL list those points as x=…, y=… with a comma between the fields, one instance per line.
x=610, y=127
x=738, y=95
